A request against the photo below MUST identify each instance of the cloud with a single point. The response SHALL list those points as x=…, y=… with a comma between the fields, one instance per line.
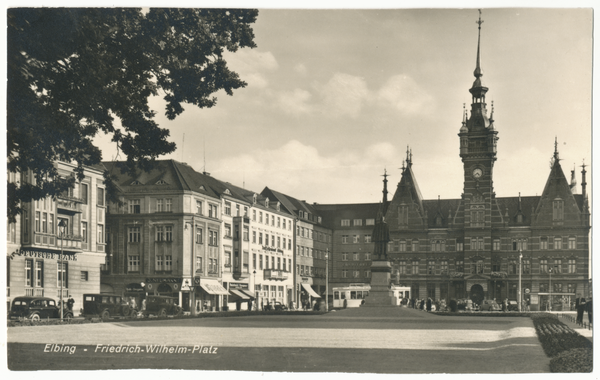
x=252, y=65
x=404, y=94
x=343, y=95
x=300, y=69
x=294, y=102
x=299, y=170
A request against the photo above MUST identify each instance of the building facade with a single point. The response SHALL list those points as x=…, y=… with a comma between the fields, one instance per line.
x=57, y=244
x=312, y=245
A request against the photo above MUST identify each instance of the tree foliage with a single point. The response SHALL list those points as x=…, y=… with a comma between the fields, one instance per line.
x=74, y=73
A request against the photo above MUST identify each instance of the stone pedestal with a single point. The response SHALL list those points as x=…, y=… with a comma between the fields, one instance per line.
x=380, y=294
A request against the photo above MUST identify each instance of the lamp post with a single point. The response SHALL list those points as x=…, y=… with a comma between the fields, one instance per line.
x=254, y=273
x=327, y=280
x=520, y=270
x=61, y=226
x=550, y=289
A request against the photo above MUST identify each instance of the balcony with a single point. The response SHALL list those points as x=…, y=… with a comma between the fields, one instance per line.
x=68, y=204
x=34, y=292
x=274, y=274
x=69, y=242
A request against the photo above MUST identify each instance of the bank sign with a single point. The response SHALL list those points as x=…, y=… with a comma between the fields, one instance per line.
x=44, y=255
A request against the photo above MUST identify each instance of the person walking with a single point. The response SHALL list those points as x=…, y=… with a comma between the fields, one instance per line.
x=428, y=304
x=580, y=306
x=590, y=309
x=70, y=303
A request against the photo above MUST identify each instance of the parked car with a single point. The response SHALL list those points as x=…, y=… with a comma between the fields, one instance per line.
x=161, y=306
x=36, y=308
x=489, y=305
x=275, y=306
x=513, y=306
x=105, y=306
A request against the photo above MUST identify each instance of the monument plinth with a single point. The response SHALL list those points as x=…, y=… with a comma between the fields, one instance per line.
x=380, y=294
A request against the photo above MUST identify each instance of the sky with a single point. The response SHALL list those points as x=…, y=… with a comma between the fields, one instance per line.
x=334, y=98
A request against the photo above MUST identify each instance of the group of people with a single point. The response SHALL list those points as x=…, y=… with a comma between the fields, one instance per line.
x=68, y=303
x=427, y=304
x=583, y=305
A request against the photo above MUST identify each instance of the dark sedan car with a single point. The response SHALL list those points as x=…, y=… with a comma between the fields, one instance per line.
x=36, y=308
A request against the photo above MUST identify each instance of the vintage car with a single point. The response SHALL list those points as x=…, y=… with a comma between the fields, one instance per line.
x=105, y=306
x=161, y=306
x=512, y=306
x=36, y=308
x=275, y=306
x=489, y=305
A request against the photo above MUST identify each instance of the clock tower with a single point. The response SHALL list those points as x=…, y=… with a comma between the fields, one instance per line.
x=478, y=139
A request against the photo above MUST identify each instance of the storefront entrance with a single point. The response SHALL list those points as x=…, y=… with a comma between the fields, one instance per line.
x=476, y=294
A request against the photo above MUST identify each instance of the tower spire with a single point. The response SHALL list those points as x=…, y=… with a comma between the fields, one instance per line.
x=478, y=72
x=385, y=191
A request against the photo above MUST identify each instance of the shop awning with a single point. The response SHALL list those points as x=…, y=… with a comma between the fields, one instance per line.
x=239, y=294
x=310, y=291
x=250, y=293
x=213, y=287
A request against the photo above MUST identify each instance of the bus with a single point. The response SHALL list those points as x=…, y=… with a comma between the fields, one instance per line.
x=354, y=294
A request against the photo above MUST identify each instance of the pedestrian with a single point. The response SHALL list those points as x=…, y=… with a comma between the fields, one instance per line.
x=428, y=304
x=70, y=303
x=422, y=306
x=527, y=307
x=590, y=309
x=580, y=306
x=505, y=304
x=412, y=303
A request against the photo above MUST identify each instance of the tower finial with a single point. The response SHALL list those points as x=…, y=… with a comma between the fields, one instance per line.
x=478, y=72
x=555, y=148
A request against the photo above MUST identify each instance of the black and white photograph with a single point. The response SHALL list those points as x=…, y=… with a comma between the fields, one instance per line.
x=305, y=189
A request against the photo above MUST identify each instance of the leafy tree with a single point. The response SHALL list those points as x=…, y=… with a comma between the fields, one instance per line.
x=73, y=73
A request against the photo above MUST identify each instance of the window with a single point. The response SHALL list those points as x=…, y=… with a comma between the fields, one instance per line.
x=402, y=267
x=284, y=223
x=557, y=266
x=133, y=263
x=160, y=233
x=356, y=256
x=356, y=239
x=496, y=266
x=199, y=268
x=479, y=266
x=62, y=275
x=512, y=267
x=431, y=267
x=168, y=205
x=572, y=243
x=83, y=193
x=571, y=266
x=415, y=245
x=246, y=262
x=367, y=256
x=402, y=245
x=212, y=238
x=369, y=222
x=476, y=244
x=526, y=266
x=344, y=273
x=345, y=222
x=344, y=256
x=134, y=235
x=544, y=243
x=557, y=287
x=227, y=208
x=254, y=237
x=278, y=242
x=212, y=211
x=84, y=275
x=496, y=245
x=28, y=272
x=438, y=246
x=272, y=220
x=278, y=222
x=272, y=240
x=260, y=238
x=247, y=233
x=199, y=235
x=415, y=267
x=84, y=232
x=272, y=262
x=557, y=243
x=558, y=210
x=134, y=206
x=100, y=196
x=227, y=230
x=459, y=246
x=168, y=233
x=159, y=205
x=100, y=234
x=45, y=222
x=159, y=262
x=260, y=217
x=355, y=273
x=459, y=265
x=39, y=274
x=543, y=288
x=37, y=221
x=168, y=262
x=358, y=222
x=543, y=266
x=477, y=218
x=254, y=215
x=237, y=210
x=279, y=263
x=444, y=266
x=199, y=207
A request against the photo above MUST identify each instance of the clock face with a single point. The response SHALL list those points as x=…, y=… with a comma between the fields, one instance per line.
x=477, y=173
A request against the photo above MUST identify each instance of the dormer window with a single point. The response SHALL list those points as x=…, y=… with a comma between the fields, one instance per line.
x=254, y=198
x=202, y=188
x=136, y=183
x=161, y=182
x=278, y=206
x=558, y=211
x=227, y=192
x=267, y=202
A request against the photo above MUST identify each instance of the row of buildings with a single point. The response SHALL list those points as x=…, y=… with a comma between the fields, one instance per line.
x=211, y=244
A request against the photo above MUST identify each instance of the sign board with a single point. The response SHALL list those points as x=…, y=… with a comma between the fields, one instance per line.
x=534, y=299
x=526, y=290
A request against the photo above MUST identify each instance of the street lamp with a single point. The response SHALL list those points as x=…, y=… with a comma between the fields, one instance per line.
x=327, y=280
x=254, y=273
x=61, y=225
x=520, y=270
x=550, y=290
